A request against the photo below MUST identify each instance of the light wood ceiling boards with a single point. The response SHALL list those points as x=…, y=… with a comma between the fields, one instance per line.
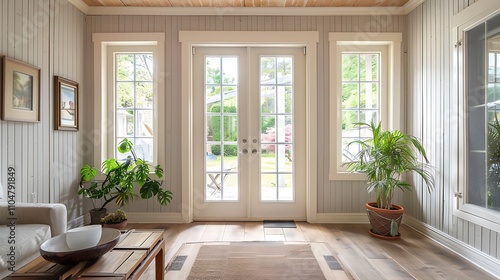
x=245, y=3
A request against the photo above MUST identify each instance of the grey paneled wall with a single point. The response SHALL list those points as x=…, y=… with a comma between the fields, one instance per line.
x=49, y=35
x=333, y=196
x=432, y=115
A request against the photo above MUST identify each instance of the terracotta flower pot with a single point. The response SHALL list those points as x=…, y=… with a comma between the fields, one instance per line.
x=383, y=220
x=119, y=226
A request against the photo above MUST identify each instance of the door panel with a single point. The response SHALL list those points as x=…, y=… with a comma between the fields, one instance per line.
x=249, y=133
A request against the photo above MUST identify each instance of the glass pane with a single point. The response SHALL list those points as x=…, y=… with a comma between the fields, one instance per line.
x=144, y=96
x=350, y=67
x=285, y=187
x=366, y=116
x=492, y=88
x=144, y=148
x=288, y=99
x=144, y=123
x=268, y=158
x=231, y=128
x=267, y=70
x=230, y=70
x=212, y=70
x=124, y=123
x=230, y=187
x=268, y=124
x=283, y=158
x=144, y=67
x=268, y=99
x=230, y=151
x=350, y=95
x=285, y=66
x=349, y=119
x=368, y=67
x=125, y=94
x=349, y=149
x=213, y=102
x=281, y=99
x=491, y=67
x=369, y=95
x=125, y=67
x=213, y=187
x=268, y=190
x=230, y=99
x=213, y=162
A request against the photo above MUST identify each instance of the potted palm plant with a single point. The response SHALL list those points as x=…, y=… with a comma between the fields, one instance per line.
x=384, y=159
x=119, y=180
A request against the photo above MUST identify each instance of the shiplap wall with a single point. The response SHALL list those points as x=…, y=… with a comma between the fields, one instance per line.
x=333, y=196
x=49, y=35
x=433, y=115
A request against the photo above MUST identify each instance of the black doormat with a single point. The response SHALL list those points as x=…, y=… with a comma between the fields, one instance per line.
x=279, y=224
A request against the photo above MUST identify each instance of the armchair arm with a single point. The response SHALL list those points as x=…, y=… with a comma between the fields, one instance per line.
x=52, y=214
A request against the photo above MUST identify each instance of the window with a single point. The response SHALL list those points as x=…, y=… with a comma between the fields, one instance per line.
x=127, y=92
x=365, y=85
x=481, y=194
x=133, y=100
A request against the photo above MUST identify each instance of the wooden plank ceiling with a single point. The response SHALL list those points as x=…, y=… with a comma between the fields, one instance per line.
x=245, y=3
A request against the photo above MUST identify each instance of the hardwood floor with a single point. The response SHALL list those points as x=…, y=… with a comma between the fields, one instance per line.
x=363, y=257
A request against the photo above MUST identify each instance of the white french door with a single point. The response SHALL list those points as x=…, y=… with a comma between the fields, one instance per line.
x=249, y=133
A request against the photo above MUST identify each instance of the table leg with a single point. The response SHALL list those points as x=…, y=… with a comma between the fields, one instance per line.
x=160, y=264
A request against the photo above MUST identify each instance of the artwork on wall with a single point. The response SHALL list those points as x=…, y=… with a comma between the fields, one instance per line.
x=66, y=104
x=20, y=91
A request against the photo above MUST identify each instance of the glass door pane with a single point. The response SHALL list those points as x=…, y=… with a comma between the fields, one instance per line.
x=276, y=125
x=221, y=128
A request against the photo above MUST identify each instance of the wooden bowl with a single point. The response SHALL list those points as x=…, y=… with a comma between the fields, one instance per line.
x=56, y=249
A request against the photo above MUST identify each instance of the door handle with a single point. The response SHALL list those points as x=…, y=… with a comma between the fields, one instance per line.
x=254, y=151
x=245, y=151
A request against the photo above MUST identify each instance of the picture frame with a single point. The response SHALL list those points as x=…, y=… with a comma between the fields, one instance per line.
x=66, y=104
x=20, y=91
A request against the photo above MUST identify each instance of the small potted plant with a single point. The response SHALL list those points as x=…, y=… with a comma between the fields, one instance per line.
x=119, y=180
x=384, y=159
x=117, y=219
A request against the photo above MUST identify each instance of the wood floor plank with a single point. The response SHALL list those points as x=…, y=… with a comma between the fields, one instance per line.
x=214, y=231
x=234, y=231
x=391, y=269
x=312, y=232
x=351, y=257
x=359, y=234
x=363, y=257
x=254, y=231
x=294, y=234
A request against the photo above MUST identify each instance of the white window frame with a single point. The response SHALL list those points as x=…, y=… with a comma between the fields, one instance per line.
x=461, y=23
x=389, y=45
x=104, y=117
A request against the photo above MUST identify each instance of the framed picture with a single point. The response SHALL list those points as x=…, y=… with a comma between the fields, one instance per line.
x=20, y=91
x=66, y=104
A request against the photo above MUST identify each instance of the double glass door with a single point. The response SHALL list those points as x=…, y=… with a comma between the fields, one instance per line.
x=249, y=130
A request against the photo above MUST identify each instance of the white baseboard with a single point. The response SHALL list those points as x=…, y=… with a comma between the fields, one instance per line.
x=164, y=218
x=483, y=260
x=341, y=218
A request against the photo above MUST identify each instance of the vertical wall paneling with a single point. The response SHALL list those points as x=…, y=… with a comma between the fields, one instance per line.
x=46, y=34
x=335, y=197
x=433, y=114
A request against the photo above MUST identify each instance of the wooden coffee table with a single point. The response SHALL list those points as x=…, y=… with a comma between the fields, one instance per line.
x=128, y=260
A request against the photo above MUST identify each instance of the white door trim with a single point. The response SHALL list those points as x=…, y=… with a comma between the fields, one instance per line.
x=191, y=39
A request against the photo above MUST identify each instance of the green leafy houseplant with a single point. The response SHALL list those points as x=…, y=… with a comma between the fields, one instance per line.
x=384, y=158
x=120, y=178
